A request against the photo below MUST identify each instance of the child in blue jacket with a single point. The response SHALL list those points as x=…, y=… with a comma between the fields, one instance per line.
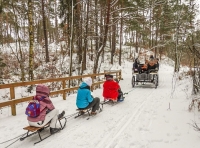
x=84, y=99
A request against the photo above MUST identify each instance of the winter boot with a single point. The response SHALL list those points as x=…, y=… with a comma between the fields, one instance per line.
x=93, y=113
x=120, y=99
x=54, y=130
x=61, y=114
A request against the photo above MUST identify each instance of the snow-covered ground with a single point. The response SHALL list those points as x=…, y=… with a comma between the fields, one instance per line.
x=148, y=118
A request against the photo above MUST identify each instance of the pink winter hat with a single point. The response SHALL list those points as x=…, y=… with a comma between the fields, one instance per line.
x=88, y=81
x=42, y=90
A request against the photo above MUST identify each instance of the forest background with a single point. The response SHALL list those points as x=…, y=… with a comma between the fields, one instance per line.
x=42, y=39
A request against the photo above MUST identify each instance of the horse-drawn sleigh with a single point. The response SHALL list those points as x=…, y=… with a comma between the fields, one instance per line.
x=145, y=73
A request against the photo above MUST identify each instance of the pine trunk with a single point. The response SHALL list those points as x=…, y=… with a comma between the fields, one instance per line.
x=31, y=39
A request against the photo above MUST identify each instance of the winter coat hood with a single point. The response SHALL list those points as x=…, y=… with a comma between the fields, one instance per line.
x=83, y=85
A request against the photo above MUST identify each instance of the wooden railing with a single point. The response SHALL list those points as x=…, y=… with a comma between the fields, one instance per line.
x=13, y=100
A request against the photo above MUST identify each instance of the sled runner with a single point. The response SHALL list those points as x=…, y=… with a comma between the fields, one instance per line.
x=38, y=130
x=110, y=102
x=82, y=112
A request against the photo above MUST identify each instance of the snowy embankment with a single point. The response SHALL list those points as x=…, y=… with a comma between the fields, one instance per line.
x=148, y=118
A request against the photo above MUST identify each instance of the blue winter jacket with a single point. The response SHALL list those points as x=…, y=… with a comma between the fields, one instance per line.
x=83, y=96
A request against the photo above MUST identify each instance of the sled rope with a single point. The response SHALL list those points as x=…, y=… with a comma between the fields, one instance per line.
x=126, y=93
x=12, y=143
x=12, y=139
x=69, y=116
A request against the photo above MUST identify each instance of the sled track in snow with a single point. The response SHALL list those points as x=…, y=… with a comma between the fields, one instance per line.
x=125, y=121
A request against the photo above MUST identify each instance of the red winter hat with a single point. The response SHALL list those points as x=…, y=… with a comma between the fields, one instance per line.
x=42, y=90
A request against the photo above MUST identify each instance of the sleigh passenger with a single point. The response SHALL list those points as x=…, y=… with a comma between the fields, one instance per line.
x=136, y=65
x=152, y=64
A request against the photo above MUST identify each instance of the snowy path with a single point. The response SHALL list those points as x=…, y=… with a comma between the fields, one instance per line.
x=143, y=120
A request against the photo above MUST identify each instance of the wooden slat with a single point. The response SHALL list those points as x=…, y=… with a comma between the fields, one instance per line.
x=7, y=103
x=83, y=110
x=33, y=128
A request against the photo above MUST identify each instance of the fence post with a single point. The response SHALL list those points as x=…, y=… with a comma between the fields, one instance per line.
x=120, y=74
x=92, y=86
x=63, y=87
x=12, y=96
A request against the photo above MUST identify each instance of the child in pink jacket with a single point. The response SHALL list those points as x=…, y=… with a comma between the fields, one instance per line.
x=47, y=110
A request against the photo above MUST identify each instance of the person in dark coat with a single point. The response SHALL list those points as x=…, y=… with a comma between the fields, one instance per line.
x=136, y=65
x=151, y=63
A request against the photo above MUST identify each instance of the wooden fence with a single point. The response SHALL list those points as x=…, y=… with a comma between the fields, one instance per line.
x=14, y=101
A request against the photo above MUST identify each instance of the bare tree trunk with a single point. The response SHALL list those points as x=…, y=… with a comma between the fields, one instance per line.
x=102, y=20
x=136, y=37
x=85, y=39
x=156, y=42
x=31, y=39
x=78, y=24
x=176, y=67
x=71, y=39
x=121, y=36
x=1, y=22
x=113, y=46
x=45, y=33
x=56, y=22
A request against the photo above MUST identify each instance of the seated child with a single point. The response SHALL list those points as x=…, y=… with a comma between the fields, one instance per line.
x=48, y=113
x=84, y=99
x=110, y=89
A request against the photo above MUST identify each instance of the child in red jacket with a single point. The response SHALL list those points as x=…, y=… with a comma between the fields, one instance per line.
x=110, y=89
